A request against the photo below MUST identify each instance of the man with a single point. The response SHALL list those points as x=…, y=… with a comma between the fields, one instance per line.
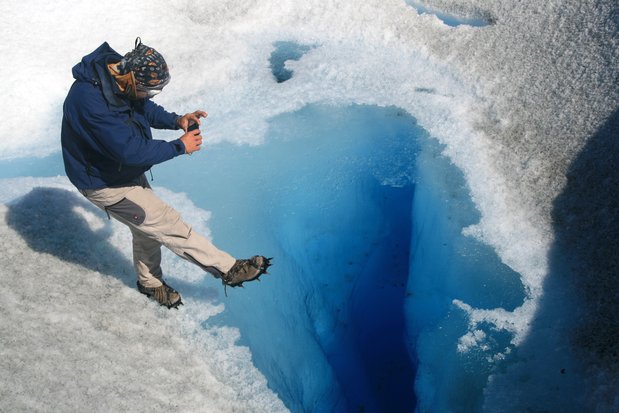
x=107, y=147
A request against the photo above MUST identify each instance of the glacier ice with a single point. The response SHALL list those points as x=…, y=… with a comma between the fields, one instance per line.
x=524, y=108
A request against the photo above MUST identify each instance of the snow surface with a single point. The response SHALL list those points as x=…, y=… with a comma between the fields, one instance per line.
x=75, y=338
x=522, y=106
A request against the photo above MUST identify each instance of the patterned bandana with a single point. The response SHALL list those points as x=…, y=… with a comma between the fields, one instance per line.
x=147, y=65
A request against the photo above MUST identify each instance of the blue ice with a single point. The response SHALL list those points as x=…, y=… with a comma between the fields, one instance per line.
x=364, y=216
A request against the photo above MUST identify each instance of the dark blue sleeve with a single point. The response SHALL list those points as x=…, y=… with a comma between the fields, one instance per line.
x=158, y=117
x=106, y=132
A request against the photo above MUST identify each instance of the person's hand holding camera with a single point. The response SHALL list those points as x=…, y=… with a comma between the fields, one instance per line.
x=190, y=123
x=192, y=140
x=190, y=118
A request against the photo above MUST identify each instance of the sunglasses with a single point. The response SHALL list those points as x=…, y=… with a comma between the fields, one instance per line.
x=151, y=91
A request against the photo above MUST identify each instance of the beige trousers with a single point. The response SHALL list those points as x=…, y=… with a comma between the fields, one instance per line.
x=154, y=223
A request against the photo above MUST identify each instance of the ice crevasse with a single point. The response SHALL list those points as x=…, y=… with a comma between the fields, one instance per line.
x=439, y=199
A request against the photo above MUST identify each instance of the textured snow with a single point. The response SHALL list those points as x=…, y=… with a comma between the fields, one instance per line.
x=75, y=338
x=517, y=103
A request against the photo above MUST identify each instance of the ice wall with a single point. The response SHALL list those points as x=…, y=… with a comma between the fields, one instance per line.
x=330, y=197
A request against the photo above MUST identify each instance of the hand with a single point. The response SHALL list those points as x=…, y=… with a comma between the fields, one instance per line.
x=192, y=141
x=185, y=120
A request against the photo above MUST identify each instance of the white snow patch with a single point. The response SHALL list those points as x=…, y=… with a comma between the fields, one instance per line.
x=77, y=339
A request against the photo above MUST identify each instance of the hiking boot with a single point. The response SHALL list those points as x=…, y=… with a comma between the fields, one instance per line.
x=246, y=270
x=164, y=294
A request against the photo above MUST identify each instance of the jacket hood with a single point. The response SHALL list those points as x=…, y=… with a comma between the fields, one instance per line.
x=85, y=70
x=93, y=69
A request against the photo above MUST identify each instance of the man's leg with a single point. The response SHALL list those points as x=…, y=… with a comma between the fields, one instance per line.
x=164, y=224
x=139, y=208
x=146, y=259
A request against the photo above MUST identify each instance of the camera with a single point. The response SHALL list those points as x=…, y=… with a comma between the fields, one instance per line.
x=193, y=126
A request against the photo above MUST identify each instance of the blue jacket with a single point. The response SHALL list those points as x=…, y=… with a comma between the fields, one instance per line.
x=106, y=138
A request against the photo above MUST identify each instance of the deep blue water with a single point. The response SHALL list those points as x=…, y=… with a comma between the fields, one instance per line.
x=315, y=197
x=331, y=195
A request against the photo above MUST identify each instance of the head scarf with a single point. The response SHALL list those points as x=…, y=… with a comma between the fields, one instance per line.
x=149, y=69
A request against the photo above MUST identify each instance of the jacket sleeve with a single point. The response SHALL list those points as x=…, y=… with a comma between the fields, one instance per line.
x=158, y=117
x=109, y=135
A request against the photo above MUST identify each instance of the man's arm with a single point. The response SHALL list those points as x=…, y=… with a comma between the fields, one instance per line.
x=158, y=117
x=106, y=133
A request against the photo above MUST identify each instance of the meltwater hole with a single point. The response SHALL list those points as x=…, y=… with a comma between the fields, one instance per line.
x=364, y=218
x=285, y=51
x=330, y=195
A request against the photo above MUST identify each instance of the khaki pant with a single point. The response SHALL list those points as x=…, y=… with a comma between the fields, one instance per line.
x=154, y=223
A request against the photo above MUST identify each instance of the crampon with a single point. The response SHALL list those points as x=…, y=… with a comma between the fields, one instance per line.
x=246, y=270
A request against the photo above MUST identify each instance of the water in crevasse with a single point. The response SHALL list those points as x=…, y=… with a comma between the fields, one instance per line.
x=343, y=197
x=330, y=195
